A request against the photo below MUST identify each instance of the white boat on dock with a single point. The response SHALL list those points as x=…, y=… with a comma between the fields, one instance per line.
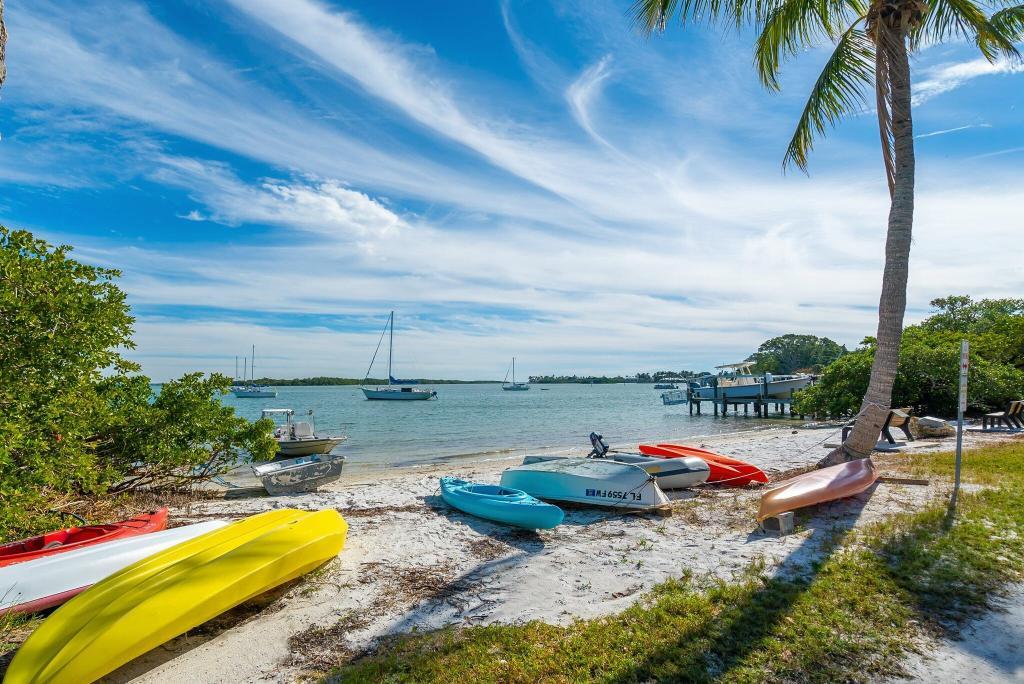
x=395, y=390
x=588, y=481
x=736, y=381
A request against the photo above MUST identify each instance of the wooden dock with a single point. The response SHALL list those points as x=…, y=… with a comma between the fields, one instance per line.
x=762, y=406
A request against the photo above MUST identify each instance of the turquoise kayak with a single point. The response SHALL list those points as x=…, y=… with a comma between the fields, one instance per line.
x=500, y=504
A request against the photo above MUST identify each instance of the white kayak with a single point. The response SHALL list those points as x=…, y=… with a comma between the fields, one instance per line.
x=669, y=473
x=589, y=481
x=50, y=581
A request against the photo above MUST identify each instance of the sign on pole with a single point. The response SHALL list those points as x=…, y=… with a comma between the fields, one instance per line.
x=960, y=409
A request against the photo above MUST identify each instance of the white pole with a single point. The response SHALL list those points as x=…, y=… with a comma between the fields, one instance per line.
x=961, y=407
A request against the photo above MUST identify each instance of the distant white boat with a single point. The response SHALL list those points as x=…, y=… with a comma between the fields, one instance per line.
x=513, y=386
x=396, y=390
x=250, y=390
x=299, y=437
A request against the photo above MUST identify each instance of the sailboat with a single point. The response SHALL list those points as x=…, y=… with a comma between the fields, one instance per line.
x=514, y=386
x=250, y=390
x=396, y=390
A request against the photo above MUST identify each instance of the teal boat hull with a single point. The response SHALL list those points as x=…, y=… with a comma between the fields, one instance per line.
x=500, y=504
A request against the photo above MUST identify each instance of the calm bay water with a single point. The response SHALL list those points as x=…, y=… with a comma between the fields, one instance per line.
x=481, y=420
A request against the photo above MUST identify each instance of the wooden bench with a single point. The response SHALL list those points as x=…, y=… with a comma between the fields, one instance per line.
x=1012, y=417
x=897, y=418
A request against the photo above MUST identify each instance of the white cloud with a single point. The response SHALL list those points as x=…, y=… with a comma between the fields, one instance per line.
x=584, y=90
x=952, y=130
x=493, y=229
x=946, y=77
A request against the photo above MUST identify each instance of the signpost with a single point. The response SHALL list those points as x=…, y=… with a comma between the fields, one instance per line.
x=961, y=407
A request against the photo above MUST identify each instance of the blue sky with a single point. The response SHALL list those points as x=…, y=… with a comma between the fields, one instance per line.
x=528, y=178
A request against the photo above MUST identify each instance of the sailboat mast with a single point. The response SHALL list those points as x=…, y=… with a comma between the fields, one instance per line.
x=391, y=344
x=513, y=370
x=252, y=366
x=236, y=368
x=245, y=369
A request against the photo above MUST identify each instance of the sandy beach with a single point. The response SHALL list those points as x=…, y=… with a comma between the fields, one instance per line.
x=413, y=563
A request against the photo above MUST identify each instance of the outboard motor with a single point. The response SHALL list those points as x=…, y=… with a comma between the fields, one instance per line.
x=600, y=449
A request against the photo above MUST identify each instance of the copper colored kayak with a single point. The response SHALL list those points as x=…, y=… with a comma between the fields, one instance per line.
x=819, y=486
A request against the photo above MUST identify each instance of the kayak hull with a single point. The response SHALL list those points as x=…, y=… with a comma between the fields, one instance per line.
x=724, y=469
x=588, y=481
x=819, y=486
x=499, y=504
x=49, y=581
x=676, y=473
x=173, y=591
x=71, y=538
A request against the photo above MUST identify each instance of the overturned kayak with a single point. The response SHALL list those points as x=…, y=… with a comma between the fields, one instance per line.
x=589, y=481
x=72, y=538
x=49, y=581
x=676, y=473
x=500, y=504
x=818, y=486
x=169, y=593
x=724, y=469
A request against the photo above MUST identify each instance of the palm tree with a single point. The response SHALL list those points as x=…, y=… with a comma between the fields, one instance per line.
x=3, y=45
x=873, y=40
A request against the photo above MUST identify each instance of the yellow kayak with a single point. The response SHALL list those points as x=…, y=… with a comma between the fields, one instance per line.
x=169, y=593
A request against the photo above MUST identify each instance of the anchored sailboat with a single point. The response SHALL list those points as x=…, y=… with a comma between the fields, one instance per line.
x=395, y=389
x=250, y=390
x=514, y=386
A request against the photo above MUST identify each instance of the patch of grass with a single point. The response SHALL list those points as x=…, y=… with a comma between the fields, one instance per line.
x=851, y=618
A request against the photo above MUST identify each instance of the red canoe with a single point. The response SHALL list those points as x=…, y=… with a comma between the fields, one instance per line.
x=724, y=469
x=78, y=537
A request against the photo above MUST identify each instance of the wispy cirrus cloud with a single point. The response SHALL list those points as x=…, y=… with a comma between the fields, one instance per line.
x=947, y=77
x=947, y=131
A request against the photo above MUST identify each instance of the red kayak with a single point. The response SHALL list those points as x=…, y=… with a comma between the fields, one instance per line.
x=78, y=537
x=725, y=469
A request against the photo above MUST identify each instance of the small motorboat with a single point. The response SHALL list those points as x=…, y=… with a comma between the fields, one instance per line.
x=589, y=481
x=299, y=437
x=51, y=580
x=818, y=486
x=724, y=469
x=674, y=473
x=298, y=475
x=173, y=591
x=72, y=538
x=500, y=504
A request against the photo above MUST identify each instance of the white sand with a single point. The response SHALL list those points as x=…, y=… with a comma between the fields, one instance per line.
x=411, y=562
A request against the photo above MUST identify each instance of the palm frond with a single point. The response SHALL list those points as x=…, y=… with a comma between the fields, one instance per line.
x=962, y=19
x=1010, y=23
x=794, y=25
x=837, y=92
x=653, y=15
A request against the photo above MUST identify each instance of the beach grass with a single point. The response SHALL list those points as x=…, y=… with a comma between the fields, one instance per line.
x=852, y=616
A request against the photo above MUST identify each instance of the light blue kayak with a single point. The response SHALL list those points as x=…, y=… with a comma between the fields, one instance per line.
x=500, y=504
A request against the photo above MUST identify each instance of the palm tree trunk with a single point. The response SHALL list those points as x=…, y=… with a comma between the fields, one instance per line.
x=3, y=46
x=893, y=302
